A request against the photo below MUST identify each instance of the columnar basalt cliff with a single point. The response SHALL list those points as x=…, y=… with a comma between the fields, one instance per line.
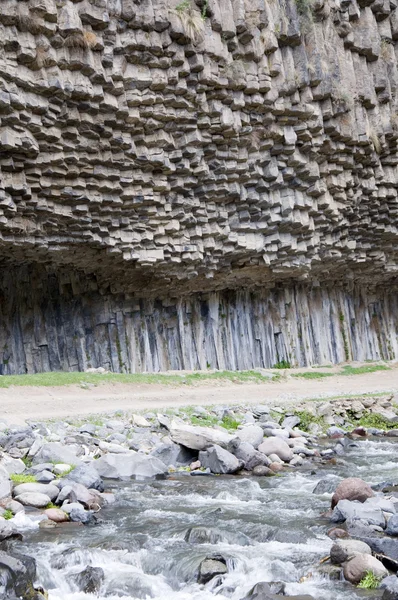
x=195, y=183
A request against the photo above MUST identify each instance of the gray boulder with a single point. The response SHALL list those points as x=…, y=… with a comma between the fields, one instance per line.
x=86, y=475
x=392, y=526
x=56, y=452
x=390, y=587
x=251, y=457
x=198, y=438
x=343, y=550
x=219, y=460
x=132, y=464
x=17, y=574
x=48, y=489
x=355, y=511
x=253, y=434
x=33, y=499
x=278, y=446
x=291, y=421
x=174, y=454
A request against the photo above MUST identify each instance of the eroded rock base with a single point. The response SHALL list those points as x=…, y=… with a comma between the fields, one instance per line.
x=64, y=321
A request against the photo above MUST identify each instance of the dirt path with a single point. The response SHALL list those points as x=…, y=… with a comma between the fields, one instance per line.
x=20, y=403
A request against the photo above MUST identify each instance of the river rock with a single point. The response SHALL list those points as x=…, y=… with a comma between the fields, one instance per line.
x=174, y=454
x=12, y=465
x=5, y=483
x=48, y=489
x=390, y=587
x=278, y=446
x=17, y=574
x=352, y=488
x=9, y=531
x=356, y=568
x=262, y=471
x=75, y=492
x=35, y=499
x=56, y=452
x=219, y=460
x=290, y=421
x=211, y=567
x=132, y=464
x=355, y=511
x=251, y=457
x=344, y=550
x=392, y=526
x=139, y=421
x=326, y=486
x=85, y=475
x=265, y=591
x=199, y=438
x=253, y=434
x=56, y=514
x=89, y=580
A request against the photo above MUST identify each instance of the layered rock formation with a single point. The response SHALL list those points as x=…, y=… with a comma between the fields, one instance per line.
x=153, y=151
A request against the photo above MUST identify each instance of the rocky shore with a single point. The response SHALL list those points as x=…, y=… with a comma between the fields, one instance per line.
x=57, y=475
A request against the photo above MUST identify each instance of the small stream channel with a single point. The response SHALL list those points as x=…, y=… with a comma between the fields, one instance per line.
x=268, y=529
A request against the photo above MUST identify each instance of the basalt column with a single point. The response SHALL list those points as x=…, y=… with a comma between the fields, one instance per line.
x=197, y=183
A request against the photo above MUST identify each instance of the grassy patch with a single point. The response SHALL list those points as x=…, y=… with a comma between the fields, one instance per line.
x=307, y=419
x=348, y=370
x=8, y=514
x=205, y=421
x=65, y=473
x=230, y=422
x=282, y=364
x=369, y=582
x=76, y=377
x=51, y=505
x=373, y=420
x=21, y=478
x=314, y=375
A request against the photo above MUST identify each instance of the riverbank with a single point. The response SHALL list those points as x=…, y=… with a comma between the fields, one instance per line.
x=143, y=478
x=279, y=387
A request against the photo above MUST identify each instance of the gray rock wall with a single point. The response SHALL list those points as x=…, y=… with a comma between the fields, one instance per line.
x=169, y=148
x=58, y=322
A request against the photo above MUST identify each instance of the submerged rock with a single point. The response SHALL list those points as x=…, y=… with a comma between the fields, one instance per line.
x=211, y=567
x=89, y=580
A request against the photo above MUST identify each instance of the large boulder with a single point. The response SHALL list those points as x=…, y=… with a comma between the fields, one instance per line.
x=12, y=465
x=266, y=591
x=132, y=464
x=18, y=574
x=85, y=475
x=343, y=550
x=56, y=452
x=392, y=526
x=219, y=460
x=48, y=489
x=278, y=446
x=356, y=568
x=253, y=434
x=355, y=511
x=199, y=438
x=352, y=488
x=174, y=454
x=251, y=457
x=34, y=499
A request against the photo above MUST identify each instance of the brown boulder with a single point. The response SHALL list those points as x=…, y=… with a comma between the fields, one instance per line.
x=356, y=568
x=352, y=488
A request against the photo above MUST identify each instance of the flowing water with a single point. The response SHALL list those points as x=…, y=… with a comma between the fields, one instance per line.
x=268, y=529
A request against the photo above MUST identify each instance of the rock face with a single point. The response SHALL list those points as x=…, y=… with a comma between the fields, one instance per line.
x=144, y=158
